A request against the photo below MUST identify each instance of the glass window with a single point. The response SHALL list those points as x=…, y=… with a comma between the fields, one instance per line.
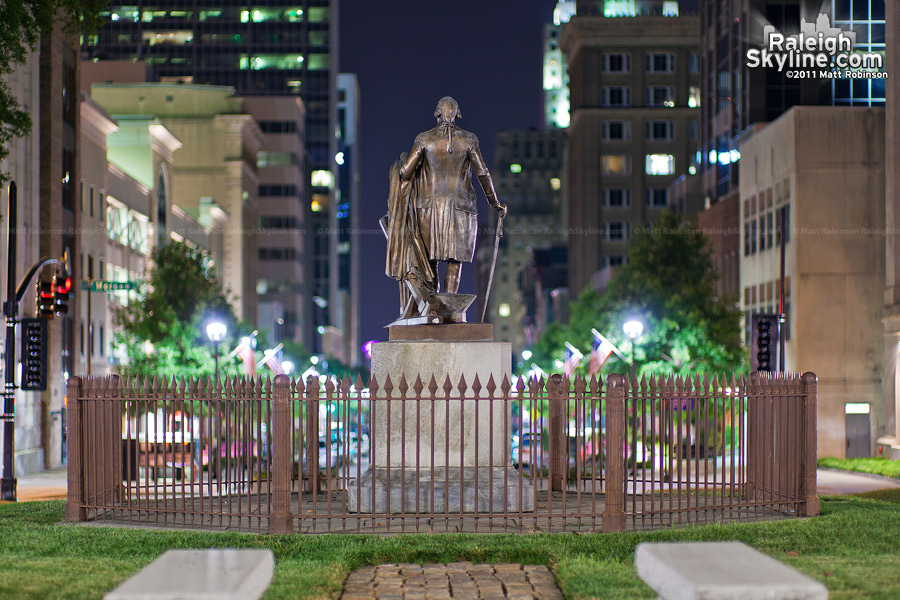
x=660, y=62
x=318, y=62
x=616, y=95
x=660, y=130
x=276, y=159
x=693, y=97
x=694, y=63
x=660, y=95
x=617, y=230
x=615, y=164
x=616, y=62
x=659, y=164
x=657, y=197
x=616, y=130
x=616, y=197
x=318, y=14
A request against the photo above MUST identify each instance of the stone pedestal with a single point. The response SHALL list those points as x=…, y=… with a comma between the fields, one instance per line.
x=469, y=435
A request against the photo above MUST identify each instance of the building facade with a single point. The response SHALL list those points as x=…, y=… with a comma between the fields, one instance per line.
x=282, y=48
x=825, y=167
x=528, y=178
x=634, y=94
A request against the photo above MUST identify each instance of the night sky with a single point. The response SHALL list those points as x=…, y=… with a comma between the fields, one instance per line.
x=408, y=54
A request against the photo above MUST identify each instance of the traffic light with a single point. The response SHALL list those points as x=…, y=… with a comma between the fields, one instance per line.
x=61, y=294
x=45, y=299
x=762, y=350
x=34, y=354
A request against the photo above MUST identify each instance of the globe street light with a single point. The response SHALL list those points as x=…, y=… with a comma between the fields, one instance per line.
x=633, y=328
x=215, y=331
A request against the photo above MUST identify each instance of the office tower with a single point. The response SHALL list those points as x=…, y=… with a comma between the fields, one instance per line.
x=281, y=185
x=556, y=72
x=346, y=283
x=281, y=48
x=528, y=178
x=634, y=94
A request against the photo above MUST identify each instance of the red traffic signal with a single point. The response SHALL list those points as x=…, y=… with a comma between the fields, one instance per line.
x=61, y=295
x=45, y=299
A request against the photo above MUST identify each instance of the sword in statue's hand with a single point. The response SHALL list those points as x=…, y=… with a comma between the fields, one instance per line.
x=499, y=235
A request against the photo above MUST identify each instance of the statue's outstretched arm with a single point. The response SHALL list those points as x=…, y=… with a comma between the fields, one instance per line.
x=484, y=178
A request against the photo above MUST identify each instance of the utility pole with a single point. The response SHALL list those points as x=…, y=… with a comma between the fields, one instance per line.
x=782, y=317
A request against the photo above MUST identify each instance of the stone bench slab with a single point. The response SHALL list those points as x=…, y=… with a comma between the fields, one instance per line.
x=219, y=573
x=720, y=571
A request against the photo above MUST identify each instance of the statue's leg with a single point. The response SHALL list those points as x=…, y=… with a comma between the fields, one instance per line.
x=434, y=276
x=451, y=277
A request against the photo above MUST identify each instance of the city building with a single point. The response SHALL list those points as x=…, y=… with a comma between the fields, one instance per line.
x=556, y=72
x=635, y=96
x=346, y=284
x=23, y=165
x=216, y=172
x=280, y=276
x=825, y=167
x=282, y=48
x=528, y=178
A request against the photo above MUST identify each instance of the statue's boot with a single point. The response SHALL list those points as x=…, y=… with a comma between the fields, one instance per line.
x=451, y=277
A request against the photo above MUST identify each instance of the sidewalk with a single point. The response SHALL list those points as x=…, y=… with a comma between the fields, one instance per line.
x=51, y=485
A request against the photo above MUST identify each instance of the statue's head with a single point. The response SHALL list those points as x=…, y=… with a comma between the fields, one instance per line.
x=447, y=110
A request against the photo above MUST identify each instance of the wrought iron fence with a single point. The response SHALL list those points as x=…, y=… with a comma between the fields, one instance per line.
x=286, y=455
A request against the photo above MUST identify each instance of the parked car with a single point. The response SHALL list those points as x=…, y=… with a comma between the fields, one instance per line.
x=527, y=452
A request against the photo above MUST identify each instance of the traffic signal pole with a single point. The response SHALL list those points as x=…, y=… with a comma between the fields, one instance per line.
x=781, y=316
x=14, y=295
x=10, y=308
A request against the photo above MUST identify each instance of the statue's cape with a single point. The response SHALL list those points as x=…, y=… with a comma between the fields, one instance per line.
x=406, y=253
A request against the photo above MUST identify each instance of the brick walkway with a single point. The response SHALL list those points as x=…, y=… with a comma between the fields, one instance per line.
x=454, y=580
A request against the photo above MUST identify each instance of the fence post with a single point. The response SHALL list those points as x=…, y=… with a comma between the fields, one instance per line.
x=312, y=435
x=614, y=511
x=557, y=430
x=810, y=505
x=281, y=520
x=75, y=452
x=751, y=391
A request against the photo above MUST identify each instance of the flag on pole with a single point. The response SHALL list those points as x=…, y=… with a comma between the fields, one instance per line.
x=601, y=348
x=245, y=351
x=573, y=359
x=272, y=359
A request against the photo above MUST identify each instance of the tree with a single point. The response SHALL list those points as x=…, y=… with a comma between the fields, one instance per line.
x=668, y=283
x=22, y=22
x=163, y=333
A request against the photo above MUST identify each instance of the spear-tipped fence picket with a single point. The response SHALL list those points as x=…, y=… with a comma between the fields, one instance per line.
x=286, y=455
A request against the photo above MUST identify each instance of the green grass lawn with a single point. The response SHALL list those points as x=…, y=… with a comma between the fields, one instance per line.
x=875, y=466
x=851, y=547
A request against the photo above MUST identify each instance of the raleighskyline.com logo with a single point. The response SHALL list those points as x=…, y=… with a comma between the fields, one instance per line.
x=819, y=51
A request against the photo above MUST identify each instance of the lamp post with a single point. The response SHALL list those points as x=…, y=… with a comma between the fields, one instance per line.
x=215, y=331
x=633, y=329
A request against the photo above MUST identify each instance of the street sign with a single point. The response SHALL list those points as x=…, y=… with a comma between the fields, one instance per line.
x=100, y=285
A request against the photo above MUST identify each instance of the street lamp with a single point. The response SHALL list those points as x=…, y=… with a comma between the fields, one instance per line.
x=215, y=331
x=633, y=328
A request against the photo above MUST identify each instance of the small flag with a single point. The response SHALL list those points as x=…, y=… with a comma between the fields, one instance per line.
x=573, y=359
x=601, y=348
x=272, y=359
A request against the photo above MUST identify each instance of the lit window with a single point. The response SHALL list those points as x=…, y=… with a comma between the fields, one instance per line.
x=555, y=183
x=615, y=164
x=515, y=168
x=503, y=310
x=322, y=178
x=319, y=202
x=660, y=164
x=693, y=97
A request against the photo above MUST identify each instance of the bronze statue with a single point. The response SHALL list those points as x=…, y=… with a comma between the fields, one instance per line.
x=432, y=214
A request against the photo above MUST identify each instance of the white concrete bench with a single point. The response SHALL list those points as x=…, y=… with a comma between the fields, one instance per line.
x=220, y=573
x=720, y=571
